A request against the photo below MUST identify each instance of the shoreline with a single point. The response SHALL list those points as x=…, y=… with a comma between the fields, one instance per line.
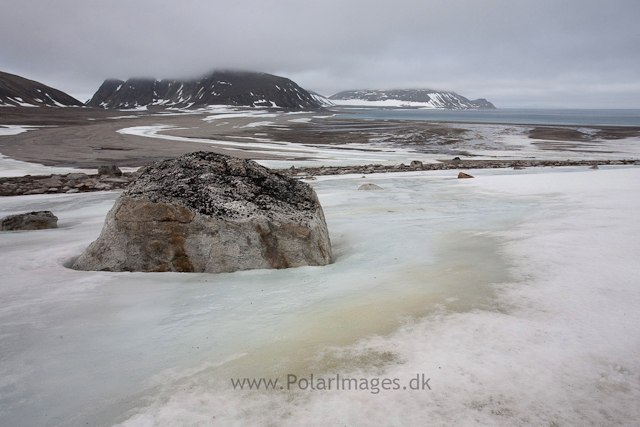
x=85, y=183
x=87, y=138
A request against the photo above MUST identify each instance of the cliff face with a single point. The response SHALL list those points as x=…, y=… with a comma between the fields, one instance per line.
x=425, y=98
x=17, y=91
x=216, y=88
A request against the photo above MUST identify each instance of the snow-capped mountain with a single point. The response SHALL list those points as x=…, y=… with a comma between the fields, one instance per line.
x=239, y=88
x=421, y=98
x=16, y=91
x=322, y=100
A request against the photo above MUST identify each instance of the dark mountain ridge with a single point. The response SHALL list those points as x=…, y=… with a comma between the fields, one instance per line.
x=20, y=92
x=239, y=88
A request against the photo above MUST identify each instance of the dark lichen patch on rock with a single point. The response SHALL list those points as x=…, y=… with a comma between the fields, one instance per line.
x=222, y=186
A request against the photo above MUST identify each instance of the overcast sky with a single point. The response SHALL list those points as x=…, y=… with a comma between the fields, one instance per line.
x=515, y=53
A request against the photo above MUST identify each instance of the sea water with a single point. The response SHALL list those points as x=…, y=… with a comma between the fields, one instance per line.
x=527, y=116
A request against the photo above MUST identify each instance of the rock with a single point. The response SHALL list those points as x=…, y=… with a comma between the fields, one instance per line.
x=53, y=181
x=369, y=187
x=416, y=164
x=456, y=160
x=206, y=212
x=594, y=167
x=77, y=176
x=518, y=168
x=29, y=221
x=464, y=175
x=111, y=170
x=36, y=191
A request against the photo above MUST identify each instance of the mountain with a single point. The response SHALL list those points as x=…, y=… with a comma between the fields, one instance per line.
x=241, y=88
x=322, y=100
x=423, y=98
x=17, y=91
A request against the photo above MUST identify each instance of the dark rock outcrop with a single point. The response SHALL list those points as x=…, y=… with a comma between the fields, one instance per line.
x=18, y=91
x=68, y=183
x=206, y=212
x=29, y=221
x=415, y=97
x=239, y=88
x=111, y=170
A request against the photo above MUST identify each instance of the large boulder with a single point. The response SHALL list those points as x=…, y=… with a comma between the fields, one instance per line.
x=29, y=221
x=206, y=212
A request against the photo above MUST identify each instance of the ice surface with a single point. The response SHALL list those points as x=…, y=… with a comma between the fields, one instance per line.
x=516, y=292
x=10, y=167
x=257, y=124
x=15, y=129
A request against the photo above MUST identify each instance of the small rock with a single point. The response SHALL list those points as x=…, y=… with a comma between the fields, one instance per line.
x=594, y=167
x=369, y=187
x=117, y=180
x=73, y=190
x=416, y=164
x=52, y=190
x=464, y=175
x=54, y=181
x=77, y=176
x=456, y=160
x=112, y=170
x=518, y=168
x=29, y=221
x=36, y=191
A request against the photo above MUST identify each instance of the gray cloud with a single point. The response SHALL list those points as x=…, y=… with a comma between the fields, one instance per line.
x=573, y=53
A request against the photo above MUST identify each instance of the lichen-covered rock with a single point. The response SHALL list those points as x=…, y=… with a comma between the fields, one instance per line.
x=206, y=212
x=29, y=221
x=370, y=187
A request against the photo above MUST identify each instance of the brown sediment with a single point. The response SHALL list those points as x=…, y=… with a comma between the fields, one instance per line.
x=88, y=137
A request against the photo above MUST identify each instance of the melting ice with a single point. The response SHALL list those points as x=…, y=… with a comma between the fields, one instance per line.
x=515, y=292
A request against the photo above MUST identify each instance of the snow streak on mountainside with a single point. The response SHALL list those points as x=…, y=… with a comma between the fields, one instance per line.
x=423, y=98
x=217, y=88
x=16, y=91
x=322, y=100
